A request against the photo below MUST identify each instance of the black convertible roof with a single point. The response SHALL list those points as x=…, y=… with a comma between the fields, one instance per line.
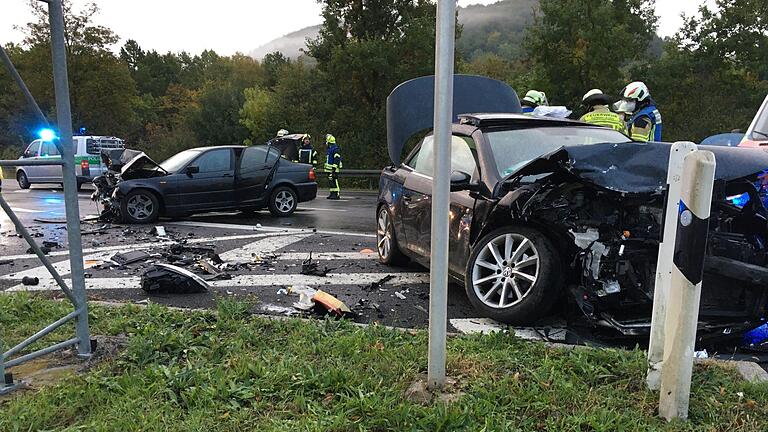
x=492, y=119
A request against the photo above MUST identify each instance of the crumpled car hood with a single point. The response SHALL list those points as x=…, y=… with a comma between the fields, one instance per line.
x=124, y=161
x=640, y=167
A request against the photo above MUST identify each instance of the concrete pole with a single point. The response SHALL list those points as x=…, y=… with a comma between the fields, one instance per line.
x=677, y=154
x=685, y=284
x=441, y=185
x=64, y=117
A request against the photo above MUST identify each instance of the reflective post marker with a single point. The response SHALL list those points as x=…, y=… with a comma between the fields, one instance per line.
x=438, y=274
x=677, y=155
x=682, y=314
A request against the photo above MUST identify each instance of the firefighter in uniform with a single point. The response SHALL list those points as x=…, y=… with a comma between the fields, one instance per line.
x=645, y=122
x=599, y=113
x=533, y=99
x=333, y=166
x=307, y=153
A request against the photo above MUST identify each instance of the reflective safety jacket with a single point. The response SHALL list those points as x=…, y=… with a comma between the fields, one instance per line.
x=645, y=124
x=307, y=155
x=333, y=158
x=601, y=115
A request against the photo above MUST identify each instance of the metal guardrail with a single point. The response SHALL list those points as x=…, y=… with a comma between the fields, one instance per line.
x=355, y=173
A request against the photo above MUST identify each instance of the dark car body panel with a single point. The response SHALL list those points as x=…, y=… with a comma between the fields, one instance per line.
x=612, y=188
x=234, y=188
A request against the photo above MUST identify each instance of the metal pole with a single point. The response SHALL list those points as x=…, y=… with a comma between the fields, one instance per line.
x=682, y=315
x=64, y=117
x=441, y=184
x=677, y=154
x=24, y=90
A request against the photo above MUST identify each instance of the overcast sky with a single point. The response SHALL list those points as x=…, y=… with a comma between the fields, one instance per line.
x=228, y=26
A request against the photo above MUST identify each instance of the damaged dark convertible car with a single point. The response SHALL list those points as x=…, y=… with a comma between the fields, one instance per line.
x=549, y=212
x=136, y=189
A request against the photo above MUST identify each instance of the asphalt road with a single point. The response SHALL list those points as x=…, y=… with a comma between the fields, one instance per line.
x=340, y=234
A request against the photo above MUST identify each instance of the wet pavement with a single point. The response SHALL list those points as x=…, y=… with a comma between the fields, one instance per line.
x=339, y=234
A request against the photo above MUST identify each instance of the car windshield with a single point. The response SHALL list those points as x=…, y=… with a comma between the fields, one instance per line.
x=179, y=161
x=514, y=148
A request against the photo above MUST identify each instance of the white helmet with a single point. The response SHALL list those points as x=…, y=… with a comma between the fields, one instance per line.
x=591, y=93
x=636, y=91
x=281, y=133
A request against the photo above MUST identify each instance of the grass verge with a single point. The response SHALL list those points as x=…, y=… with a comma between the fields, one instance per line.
x=228, y=371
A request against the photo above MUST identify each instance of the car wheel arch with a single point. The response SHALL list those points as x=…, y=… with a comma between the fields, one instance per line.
x=157, y=194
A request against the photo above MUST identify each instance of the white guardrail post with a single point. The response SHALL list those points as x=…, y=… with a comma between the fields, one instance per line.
x=677, y=155
x=682, y=311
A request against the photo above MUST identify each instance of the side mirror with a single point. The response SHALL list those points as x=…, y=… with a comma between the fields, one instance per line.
x=192, y=170
x=461, y=181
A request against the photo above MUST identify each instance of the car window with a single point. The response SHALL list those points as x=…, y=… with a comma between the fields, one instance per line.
x=514, y=148
x=462, y=156
x=253, y=157
x=178, y=161
x=33, y=149
x=273, y=155
x=214, y=161
x=49, y=149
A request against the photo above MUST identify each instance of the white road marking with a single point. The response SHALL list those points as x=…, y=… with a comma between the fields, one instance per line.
x=244, y=281
x=62, y=267
x=23, y=210
x=320, y=209
x=487, y=325
x=261, y=247
x=150, y=245
x=268, y=229
x=301, y=256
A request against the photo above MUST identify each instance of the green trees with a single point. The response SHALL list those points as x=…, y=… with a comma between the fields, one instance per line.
x=582, y=44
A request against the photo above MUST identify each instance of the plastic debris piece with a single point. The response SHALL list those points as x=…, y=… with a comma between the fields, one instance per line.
x=331, y=303
x=159, y=231
x=701, y=354
x=399, y=295
x=367, y=251
x=305, y=302
x=310, y=268
x=166, y=278
x=30, y=281
x=130, y=257
x=379, y=283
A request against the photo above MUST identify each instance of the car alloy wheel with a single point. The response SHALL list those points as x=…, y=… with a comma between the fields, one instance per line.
x=505, y=270
x=284, y=201
x=140, y=207
x=384, y=235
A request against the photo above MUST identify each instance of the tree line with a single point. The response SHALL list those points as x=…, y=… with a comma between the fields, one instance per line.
x=709, y=78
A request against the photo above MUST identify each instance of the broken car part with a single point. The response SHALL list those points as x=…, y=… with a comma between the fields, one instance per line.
x=166, y=278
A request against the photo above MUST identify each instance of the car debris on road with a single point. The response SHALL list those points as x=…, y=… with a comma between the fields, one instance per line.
x=170, y=279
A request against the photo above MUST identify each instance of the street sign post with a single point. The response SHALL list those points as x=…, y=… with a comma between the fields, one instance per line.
x=438, y=275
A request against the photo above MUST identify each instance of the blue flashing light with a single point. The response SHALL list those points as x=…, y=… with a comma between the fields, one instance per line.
x=47, y=134
x=739, y=200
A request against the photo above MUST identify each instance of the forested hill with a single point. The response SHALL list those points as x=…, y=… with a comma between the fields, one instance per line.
x=497, y=28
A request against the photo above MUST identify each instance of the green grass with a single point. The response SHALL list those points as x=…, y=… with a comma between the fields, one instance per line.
x=233, y=372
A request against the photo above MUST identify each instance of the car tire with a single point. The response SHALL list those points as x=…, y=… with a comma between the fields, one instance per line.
x=386, y=241
x=139, y=207
x=513, y=275
x=23, y=180
x=283, y=201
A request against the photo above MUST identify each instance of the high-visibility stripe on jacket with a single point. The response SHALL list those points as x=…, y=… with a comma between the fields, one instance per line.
x=645, y=124
x=602, y=116
x=307, y=155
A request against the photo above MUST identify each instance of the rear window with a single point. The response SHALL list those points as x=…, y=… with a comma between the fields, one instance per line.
x=95, y=145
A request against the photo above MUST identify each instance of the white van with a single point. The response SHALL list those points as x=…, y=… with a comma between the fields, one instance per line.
x=87, y=160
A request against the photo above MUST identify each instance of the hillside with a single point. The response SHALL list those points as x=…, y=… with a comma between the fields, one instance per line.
x=496, y=28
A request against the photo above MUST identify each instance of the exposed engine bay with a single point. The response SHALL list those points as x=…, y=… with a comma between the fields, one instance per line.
x=613, y=238
x=122, y=164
